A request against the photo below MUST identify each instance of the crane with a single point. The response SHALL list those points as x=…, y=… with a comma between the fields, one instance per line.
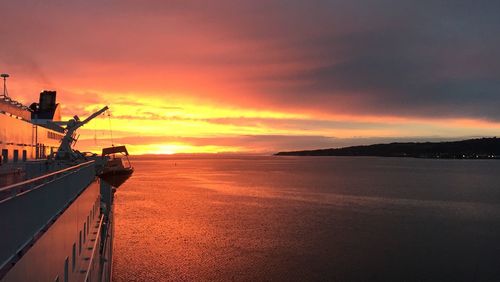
x=65, y=152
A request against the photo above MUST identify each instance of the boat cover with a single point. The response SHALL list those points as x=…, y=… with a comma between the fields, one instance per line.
x=114, y=150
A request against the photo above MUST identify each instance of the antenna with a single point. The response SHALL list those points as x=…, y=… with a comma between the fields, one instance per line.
x=5, y=93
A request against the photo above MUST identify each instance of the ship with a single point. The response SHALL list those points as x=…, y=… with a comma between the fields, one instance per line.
x=56, y=208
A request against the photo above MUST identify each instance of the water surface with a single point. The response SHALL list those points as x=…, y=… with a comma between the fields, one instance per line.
x=308, y=218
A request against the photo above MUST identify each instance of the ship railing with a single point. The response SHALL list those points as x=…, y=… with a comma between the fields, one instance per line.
x=28, y=208
x=12, y=107
x=93, y=270
x=20, y=188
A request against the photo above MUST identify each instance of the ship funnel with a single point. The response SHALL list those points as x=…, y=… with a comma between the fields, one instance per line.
x=47, y=100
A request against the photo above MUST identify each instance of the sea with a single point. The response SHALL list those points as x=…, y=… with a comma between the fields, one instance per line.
x=270, y=218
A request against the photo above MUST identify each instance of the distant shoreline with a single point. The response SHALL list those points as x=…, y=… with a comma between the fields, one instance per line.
x=482, y=148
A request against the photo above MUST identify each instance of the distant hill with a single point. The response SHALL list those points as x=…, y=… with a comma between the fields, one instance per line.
x=483, y=148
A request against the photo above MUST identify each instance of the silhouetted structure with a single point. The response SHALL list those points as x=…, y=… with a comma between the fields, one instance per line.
x=483, y=148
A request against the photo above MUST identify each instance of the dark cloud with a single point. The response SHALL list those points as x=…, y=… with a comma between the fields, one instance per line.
x=397, y=58
x=411, y=59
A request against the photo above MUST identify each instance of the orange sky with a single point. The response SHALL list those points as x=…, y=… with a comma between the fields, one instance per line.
x=231, y=76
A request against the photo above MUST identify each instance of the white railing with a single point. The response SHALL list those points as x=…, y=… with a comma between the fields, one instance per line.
x=94, y=262
x=16, y=189
x=28, y=208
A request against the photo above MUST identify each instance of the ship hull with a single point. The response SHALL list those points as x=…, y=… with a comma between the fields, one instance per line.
x=116, y=177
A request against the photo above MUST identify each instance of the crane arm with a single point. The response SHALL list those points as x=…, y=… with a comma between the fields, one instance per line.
x=92, y=116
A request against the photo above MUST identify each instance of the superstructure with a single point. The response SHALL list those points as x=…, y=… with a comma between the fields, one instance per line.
x=56, y=214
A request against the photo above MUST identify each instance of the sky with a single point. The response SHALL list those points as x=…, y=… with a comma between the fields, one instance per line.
x=259, y=76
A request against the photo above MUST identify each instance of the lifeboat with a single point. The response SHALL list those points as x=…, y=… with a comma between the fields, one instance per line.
x=115, y=172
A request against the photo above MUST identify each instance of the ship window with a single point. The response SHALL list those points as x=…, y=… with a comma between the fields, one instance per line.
x=25, y=155
x=16, y=155
x=66, y=269
x=73, y=261
x=80, y=244
x=53, y=135
x=5, y=155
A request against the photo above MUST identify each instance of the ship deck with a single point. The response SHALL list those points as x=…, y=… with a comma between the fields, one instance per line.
x=57, y=213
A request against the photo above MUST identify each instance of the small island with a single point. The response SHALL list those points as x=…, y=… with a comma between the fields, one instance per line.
x=482, y=148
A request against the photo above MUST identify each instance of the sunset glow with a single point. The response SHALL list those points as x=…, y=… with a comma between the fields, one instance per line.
x=188, y=76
